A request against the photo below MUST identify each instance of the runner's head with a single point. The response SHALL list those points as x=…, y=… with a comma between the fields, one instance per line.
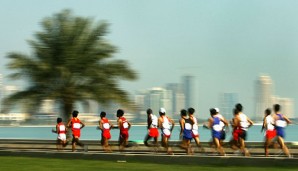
x=162, y=111
x=235, y=111
x=120, y=112
x=183, y=112
x=191, y=111
x=149, y=111
x=212, y=112
x=59, y=120
x=239, y=107
x=267, y=112
x=276, y=107
x=103, y=114
x=75, y=113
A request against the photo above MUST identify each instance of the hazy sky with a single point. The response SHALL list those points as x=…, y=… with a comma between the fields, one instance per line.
x=225, y=44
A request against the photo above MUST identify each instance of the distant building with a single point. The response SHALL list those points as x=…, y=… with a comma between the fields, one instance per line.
x=160, y=97
x=263, y=96
x=188, y=90
x=177, y=97
x=228, y=101
x=155, y=98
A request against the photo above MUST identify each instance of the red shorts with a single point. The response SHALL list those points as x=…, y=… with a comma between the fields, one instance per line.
x=195, y=134
x=124, y=135
x=76, y=133
x=106, y=134
x=236, y=134
x=153, y=132
x=270, y=134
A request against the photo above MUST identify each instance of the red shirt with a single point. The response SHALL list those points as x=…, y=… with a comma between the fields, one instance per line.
x=124, y=126
x=76, y=127
x=61, y=128
x=105, y=128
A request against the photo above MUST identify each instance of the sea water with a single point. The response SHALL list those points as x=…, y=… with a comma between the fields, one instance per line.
x=136, y=133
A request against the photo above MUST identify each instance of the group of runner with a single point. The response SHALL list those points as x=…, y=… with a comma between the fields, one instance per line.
x=273, y=124
x=75, y=124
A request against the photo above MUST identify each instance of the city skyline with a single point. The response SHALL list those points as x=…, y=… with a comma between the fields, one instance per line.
x=225, y=44
x=266, y=98
x=173, y=98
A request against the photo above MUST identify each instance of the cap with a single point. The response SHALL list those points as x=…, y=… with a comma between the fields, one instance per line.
x=217, y=110
x=162, y=110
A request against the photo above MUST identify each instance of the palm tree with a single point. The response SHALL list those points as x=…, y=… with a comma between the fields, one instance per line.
x=71, y=62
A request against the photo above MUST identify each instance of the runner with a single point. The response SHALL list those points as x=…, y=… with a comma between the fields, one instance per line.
x=195, y=128
x=166, y=125
x=225, y=128
x=268, y=126
x=61, y=131
x=281, y=122
x=124, y=127
x=152, y=123
x=234, y=142
x=105, y=126
x=76, y=125
x=186, y=125
x=217, y=130
x=242, y=122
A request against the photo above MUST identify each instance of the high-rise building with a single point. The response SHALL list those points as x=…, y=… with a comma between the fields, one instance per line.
x=160, y=97
x=228, y=101
x=178, y=98
x=188, y=90
x=263, y=96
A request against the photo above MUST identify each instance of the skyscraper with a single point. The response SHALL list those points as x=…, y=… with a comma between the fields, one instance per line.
x=188, y=90
x=178, y=98
x=160, y=97
x=263, y=96
x=228, y=101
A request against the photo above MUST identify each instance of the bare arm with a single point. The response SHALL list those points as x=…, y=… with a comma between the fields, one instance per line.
x=173, y=123
x=100, y=125
x=111, y=125
x=82, y=125
x=181, y=122
x=209, y=123
x=149, y=122
x=69, y=124
x=129, y=125
x=119, y=123
x=250, y=122
x=287, y=119
x=159, y=122
x=55, y=131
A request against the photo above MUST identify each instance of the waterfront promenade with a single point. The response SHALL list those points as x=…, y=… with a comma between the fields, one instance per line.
x=137, y=152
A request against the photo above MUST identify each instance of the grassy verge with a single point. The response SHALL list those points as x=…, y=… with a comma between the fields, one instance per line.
x=47, y=164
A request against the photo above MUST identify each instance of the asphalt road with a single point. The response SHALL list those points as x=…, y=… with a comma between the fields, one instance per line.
x=137, y=152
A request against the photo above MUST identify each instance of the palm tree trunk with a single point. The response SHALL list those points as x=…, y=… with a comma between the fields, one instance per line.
x=66, y=116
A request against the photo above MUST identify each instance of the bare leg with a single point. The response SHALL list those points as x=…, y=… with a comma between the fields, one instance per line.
x=219, y=147
x=147, y=138
x=106, y=146
x=283, y=146
x=267, y=144
x=197, y=140
x=242, y=147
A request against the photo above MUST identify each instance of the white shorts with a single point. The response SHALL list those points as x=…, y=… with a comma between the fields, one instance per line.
x=61, y=137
